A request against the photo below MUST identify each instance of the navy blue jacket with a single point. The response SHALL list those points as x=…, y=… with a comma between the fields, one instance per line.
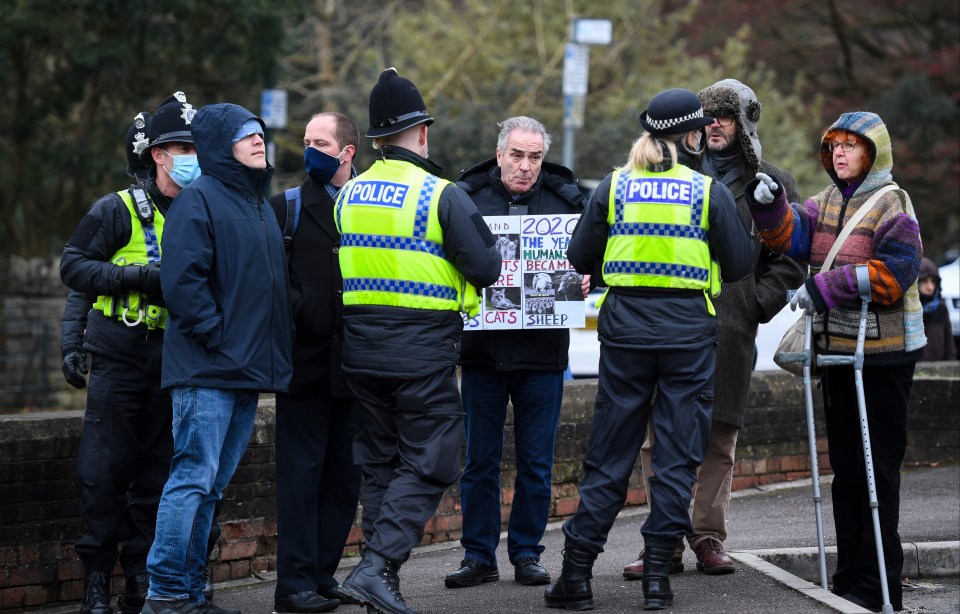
x=224, y=272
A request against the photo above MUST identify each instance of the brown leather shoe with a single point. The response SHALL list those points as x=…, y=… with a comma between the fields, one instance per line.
x=712, y=559
x=634, y=571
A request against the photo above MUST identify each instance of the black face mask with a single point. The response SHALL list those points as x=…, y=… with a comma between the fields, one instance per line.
x=320, y=165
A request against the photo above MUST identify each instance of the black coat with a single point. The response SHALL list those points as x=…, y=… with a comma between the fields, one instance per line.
x=316, y=293
x=555, y=191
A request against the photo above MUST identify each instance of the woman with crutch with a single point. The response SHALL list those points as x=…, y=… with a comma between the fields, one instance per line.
x=857, y=155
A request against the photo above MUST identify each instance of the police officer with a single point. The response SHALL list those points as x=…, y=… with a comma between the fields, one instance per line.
x=126, y=442
x=652, y=228
x=413, y=251
x=74, y=320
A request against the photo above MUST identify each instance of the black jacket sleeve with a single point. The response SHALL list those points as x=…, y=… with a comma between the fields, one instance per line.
x=467, y=241
x=730, y=241
x=85, y=265
x=589, y=240
x=74, y=321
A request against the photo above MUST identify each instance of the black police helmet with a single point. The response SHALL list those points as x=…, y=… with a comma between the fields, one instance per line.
x=395, y=105
x=170, y=124
x=674, y=111
x=135, y=143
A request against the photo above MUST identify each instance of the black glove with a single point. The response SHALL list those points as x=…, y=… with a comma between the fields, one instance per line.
x=75, y=363
x=145, y=279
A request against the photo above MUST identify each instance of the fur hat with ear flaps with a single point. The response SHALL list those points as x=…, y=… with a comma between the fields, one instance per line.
x=730, y=98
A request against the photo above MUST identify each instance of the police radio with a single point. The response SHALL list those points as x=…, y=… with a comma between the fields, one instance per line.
x=142, y=205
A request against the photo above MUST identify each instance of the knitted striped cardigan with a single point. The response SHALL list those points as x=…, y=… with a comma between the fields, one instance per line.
x=887, y=240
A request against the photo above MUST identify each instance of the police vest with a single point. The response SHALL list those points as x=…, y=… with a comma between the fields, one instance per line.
x=391, y=243
x=142, y=249
x=658, y=229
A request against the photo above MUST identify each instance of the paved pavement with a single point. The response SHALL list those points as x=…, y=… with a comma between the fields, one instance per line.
x=776, y=522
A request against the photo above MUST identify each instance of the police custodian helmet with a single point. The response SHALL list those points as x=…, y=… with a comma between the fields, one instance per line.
x=136, y=142
x=395, y=105
x=170, y=124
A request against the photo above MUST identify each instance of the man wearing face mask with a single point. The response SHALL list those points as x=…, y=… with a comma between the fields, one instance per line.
x=317, y=482
x=126, y=443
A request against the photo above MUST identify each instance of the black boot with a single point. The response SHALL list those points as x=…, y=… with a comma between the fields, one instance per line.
x=656, y=577
x=374, y=582
x=134, y=594
x=96, y=594
x=572, y=589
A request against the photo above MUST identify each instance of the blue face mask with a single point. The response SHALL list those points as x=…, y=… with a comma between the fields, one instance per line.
x=185, y=169
x=320, y=165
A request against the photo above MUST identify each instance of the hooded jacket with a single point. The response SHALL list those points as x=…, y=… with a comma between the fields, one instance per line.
x=224, y=273
x=887, y=240
x=555, y=191
x=936, y=319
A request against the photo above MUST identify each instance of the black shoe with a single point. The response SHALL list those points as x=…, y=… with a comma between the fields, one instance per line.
x=208, y=607
x=207, y=584
x=529, y=572
x=862, y=603
x=657, y=593
x=471, y=573
x=178, y=606
x=96, y=594
x=374, y=583
x=304, y=601
x=336, y=592
x=572, y=590
x=134, y=594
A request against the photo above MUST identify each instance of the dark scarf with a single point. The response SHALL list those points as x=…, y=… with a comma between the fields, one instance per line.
x=723, y=164
x=930, y=303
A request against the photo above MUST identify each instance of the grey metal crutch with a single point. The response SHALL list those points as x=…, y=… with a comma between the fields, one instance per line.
x=806, y=357
x=863, y=287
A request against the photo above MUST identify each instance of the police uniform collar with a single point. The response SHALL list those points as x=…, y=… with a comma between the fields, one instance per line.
x=393, y=152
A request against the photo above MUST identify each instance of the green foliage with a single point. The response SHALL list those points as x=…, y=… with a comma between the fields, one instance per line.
x=73, y=75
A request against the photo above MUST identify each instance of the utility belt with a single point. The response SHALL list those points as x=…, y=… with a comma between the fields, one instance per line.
x=132, y=309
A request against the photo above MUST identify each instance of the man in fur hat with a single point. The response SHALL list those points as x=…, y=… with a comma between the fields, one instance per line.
x=732, y=156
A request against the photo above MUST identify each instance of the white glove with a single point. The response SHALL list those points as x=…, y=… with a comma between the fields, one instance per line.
x=763, y=194
x=802, y=298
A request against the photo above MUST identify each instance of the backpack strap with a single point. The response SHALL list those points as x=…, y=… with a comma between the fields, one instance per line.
x=292, y=195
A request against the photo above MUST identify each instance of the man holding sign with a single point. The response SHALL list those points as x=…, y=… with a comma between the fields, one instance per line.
x=522, y=366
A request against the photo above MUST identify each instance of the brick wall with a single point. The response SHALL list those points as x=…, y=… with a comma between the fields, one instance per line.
x=39, y=498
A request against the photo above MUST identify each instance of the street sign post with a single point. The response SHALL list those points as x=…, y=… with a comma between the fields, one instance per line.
x=273, y=108
x=576, y=76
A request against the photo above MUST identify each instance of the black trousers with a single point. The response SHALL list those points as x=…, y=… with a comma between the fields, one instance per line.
x=123, y=461
x=318, y=485
x=408, y=444
x=682, y=412
x=887, y=395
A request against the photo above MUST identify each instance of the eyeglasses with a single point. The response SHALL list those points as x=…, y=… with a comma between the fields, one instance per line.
x=726, y=122
x=844, y=145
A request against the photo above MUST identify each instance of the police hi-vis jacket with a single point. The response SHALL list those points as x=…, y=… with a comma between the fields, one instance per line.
x=413, y=251
x=391, y=243
x=658, y=228
x=142, y=249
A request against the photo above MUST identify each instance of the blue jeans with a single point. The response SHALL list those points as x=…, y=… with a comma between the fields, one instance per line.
x=211, y=429
x=536, y=398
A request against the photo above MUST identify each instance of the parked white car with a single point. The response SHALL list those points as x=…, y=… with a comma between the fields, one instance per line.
x=584, y=345
x=950, y=291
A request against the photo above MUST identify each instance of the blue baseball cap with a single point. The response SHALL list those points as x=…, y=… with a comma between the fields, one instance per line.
x=251, y=126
